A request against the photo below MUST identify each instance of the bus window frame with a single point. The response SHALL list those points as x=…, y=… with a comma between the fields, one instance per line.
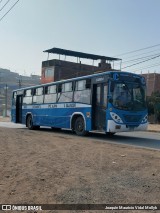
x=61, y=91
x=34, y=94
x=87, y=87
x=46, y=93
x=25, y=96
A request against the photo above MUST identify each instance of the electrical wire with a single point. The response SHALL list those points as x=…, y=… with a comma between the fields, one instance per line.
x=137, y=59
x=149, y=66
x=142, y=54
x=137, y=50
x=4, y=5
x=141, y=62
x=9, y=10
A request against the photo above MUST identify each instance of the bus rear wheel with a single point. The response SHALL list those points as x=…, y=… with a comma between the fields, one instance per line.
x=79, y=127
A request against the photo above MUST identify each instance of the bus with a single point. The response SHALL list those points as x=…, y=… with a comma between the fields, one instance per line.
x=109, y=102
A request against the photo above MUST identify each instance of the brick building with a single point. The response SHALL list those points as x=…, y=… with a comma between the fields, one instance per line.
x=153, y=82
x=56, y=69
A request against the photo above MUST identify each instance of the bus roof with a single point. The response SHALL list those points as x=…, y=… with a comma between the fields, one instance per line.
x=79, y=54
x=77, y=78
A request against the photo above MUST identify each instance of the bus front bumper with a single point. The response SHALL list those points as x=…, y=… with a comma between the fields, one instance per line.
x=115, y=127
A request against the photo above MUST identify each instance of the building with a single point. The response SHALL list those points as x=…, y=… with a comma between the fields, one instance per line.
x=153, y=82
x=56, y=69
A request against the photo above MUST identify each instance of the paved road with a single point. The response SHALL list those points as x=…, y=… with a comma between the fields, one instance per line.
x=140, y=139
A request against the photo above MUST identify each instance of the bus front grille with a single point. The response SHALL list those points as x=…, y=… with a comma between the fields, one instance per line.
x=132, y=118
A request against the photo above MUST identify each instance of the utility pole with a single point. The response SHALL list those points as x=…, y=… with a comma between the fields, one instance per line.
x=20, y=82
x=6, y=98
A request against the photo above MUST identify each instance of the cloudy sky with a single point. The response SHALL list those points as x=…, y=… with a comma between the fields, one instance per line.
x=104, y=27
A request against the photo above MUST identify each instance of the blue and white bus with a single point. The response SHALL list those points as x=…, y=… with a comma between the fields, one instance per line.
x=111, y=102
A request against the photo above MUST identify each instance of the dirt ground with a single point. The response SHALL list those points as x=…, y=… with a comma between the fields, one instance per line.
x=46, y=167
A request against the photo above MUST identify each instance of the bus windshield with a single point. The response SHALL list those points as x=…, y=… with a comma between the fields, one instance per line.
x=128, y=96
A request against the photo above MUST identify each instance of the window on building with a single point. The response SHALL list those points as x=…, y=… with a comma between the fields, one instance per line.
x=49, y=72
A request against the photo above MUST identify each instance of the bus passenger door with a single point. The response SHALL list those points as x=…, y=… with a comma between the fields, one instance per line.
x=99, y=105
x=19, y=109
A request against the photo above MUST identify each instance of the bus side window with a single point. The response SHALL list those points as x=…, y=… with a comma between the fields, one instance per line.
x=38, y=95
x=105, y=94
x=27, y=99
x=14, y=98
x=88, y=83
x=50, y=94
x=66, y=92
x=82, y=92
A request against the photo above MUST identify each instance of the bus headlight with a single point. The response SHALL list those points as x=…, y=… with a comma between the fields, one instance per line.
x=116, y=117
x=145, y=119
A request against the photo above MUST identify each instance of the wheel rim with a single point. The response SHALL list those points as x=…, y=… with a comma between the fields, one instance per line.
x=80, y=126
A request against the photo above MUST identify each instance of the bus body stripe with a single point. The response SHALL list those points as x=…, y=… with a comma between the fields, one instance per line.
x=55, y=106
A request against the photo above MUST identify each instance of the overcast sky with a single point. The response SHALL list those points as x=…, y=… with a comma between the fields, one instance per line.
x=104, y=27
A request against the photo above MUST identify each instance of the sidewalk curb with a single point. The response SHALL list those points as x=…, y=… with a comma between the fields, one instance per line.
x=153, y=131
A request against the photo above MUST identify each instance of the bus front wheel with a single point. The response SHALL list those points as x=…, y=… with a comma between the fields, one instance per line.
x=30, y=122
x=79, y=127
x=110, y=133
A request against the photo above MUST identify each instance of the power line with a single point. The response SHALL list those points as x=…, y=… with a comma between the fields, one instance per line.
x=138, y=50
x=142, y=54
x=147, y=57
x=149, y=66
x=4, y=5
x=9, y=10
x=137, y=59
x=142, y=61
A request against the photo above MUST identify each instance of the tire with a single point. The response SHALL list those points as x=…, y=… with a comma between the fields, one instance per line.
x=79, y=127
x=30, y=123
x=110, y=134
x=37, y=127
